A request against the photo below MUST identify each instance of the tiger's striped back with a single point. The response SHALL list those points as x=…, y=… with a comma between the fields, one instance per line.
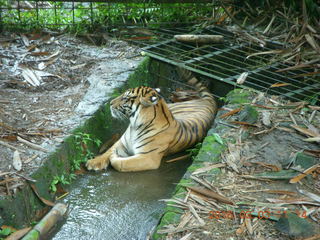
x=195, y=117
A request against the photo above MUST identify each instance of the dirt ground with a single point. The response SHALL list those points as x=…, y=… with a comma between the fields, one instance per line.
x=49, y=83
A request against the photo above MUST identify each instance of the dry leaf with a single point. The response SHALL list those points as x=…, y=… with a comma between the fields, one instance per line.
x=45, y=201
x=304, y=174
x=208, y=168
x=241, y=229
x=310, y=195
x=271, y=166
x=211, y=194
x=310, y=39
x=248, y=225
x=31, y=77
x=279, y=85
x=313, y=139
x=25, y=40
x=266, y=118
x=264, y=53
x=305, y=131
x=230, y=113
x=242, y=77
x=16, y=162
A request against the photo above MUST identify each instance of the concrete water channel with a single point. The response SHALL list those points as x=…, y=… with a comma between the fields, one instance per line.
x=114, y=205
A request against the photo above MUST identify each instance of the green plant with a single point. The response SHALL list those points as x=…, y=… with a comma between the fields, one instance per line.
x=5, y=232
x=83, y=143
x=195, y=150
x=61, y=180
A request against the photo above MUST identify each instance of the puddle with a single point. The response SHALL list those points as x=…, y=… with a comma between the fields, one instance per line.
x=113, y=205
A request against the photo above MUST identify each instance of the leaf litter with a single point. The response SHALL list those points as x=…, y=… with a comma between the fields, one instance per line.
x=272, y=178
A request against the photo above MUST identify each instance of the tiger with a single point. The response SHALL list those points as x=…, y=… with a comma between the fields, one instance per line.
x=156, y=128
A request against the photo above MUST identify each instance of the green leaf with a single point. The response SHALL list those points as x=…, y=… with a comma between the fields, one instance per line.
x=5, y=232
x=218, y=138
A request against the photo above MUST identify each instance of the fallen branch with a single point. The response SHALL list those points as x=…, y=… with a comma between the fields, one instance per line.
x=183, y=157
x=9, y=146
x=47, y=222
x=211, y=194
x=199, y=38
x=32, y=145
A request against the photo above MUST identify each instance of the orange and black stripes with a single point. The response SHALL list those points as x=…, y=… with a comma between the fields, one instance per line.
x=183, y=124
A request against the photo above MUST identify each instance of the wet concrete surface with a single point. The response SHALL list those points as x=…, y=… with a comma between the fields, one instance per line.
x=113, y=205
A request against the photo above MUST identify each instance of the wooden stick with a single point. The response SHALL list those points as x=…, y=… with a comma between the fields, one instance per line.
x=178, y=158
x=47, y=222
x=32, y=145
x=211, y=194
x=199, y=38
x=9, y=146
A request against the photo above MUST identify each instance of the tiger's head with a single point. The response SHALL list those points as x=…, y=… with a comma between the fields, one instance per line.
x=129, y=103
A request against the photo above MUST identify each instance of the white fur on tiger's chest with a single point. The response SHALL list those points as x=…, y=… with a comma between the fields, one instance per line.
x=128, y=141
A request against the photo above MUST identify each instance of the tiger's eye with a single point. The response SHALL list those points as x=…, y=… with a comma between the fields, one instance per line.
x=153, y=98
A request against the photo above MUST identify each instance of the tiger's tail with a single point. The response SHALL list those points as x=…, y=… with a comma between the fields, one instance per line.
x=189, y=77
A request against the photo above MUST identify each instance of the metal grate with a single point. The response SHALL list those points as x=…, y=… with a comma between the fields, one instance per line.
x=227, y=61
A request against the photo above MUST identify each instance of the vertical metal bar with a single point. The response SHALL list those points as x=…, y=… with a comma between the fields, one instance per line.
x=55, y=14
x=91, y=14
x=37, y=12
x=1, y=20
x=19, y=14
x=73, y=21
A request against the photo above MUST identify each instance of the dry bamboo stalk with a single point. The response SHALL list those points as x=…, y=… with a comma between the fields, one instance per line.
x=195, y=214
x=32, y=145
x=183, y=157
x=211, y=194
x=12, y=147
x=47, y=222
x=199, y=38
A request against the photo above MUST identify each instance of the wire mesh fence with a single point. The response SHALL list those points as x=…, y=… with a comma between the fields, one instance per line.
x=101, y=13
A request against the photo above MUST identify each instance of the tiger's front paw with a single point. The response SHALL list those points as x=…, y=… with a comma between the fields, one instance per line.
x=98, y=163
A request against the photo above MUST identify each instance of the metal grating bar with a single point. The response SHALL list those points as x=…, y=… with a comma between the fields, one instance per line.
x=299, y=91
x=214, y=53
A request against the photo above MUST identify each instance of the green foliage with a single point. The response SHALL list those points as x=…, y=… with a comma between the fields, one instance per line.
x=61, y=180
x=81, y=17
x=83, y=140
x=238, y=96
x=195, y=150
x=5, y=232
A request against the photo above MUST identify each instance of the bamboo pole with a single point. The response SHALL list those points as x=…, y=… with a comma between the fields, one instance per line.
x=199, y=38
x=47, y=222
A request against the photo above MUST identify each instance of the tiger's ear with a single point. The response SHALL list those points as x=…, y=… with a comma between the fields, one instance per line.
x=157, y=90
x=149, y=100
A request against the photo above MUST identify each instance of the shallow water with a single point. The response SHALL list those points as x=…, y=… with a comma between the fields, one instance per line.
x=113, y=205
